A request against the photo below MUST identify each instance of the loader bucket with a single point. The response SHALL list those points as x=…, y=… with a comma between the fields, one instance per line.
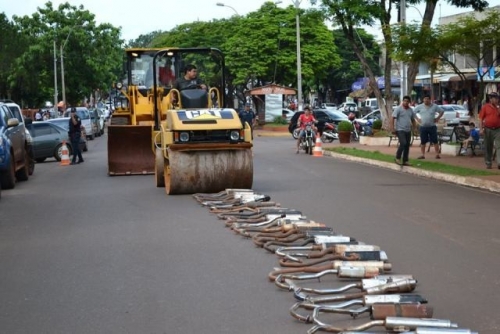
x=129, y=150
x=199, y=171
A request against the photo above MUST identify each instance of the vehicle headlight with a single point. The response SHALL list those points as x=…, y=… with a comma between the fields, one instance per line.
x=235, y=135
x=184, y=137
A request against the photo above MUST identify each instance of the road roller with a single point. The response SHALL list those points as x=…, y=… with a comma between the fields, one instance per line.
x=200, y=143
x=188, y=138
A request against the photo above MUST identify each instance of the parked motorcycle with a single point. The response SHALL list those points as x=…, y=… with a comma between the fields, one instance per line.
x=367, y=128
x=307, y=142
x=329, y=133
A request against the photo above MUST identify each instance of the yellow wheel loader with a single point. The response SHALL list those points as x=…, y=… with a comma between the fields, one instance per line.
x=196, y=143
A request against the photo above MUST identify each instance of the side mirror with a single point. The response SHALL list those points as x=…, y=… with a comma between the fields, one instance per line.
x=12, y=122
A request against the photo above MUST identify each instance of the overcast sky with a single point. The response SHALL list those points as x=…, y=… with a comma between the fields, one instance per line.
x=138, y=17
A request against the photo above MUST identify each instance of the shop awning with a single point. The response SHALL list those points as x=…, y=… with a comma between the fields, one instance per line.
x=443, y=78
x=468, y=76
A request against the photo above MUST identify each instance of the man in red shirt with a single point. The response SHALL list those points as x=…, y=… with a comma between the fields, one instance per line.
x=489, y=127
x=306, y=117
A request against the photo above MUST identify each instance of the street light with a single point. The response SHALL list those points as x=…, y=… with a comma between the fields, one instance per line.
x=220, y=4
x=62, y=65
x=418, y=10
x=299, y=63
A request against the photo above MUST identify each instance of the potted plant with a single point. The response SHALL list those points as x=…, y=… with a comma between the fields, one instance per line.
x=377, y=126
x=345, y=128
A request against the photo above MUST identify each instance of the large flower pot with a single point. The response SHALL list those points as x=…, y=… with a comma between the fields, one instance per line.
x=344, y=136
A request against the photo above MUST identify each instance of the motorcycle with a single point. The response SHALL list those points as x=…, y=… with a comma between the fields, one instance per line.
x=307, y=142
x=356, y=127
x=367, y=128
x=329, y=133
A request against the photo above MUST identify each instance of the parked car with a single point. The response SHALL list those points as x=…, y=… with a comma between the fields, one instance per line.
x=84, y=115
x=374, y=115
x=329, y=106
x=455, y=114
x=270, y=116
x=16, y=165
x=98, y=121
x=348, y=107
x=63, y=122
x=48, y=139
x=95, y=122
x=17, y=112
x=322, y=116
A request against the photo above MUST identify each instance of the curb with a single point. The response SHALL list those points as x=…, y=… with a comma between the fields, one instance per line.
x=468, y=181
x=264, y=133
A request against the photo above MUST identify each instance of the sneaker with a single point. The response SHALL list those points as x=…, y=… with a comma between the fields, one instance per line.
x=80, y=162
x=406, y=164
x=421, y=157
x=397, y=161
x=438, y=157
x=73, y=163
x=297, y=152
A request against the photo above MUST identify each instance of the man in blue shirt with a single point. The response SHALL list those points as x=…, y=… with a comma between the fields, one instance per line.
x=248, y=116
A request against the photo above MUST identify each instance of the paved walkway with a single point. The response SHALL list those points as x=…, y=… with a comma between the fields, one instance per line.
x=490, y=182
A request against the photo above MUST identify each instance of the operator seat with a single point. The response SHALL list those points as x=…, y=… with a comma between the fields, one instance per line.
x=194, y=98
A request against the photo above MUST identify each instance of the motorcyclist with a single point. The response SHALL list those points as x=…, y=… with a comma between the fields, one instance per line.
x=304, y=119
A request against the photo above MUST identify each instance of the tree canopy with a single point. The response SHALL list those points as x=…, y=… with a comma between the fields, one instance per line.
x=91, y=54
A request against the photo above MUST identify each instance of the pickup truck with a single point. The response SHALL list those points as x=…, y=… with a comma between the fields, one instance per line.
x=17, y=161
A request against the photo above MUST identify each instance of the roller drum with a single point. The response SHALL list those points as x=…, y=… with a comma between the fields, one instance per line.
x=210, y=171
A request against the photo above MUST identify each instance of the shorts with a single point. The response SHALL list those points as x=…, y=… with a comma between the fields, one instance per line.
x=428, y=134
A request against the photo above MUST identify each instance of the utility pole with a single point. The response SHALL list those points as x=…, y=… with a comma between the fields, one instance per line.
x=402, y=20
x=62, y=66
x=299, y=62
x=62, y=78
x=55, y=76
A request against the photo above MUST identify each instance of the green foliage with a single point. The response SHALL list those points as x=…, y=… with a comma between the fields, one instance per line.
x=345, y=126
x=377, y=124
x=91, y=53
x=260, y=48
x=422, y=164
x=280, y=120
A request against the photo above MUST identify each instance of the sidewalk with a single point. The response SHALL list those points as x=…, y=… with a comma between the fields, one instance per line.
x=490, y=182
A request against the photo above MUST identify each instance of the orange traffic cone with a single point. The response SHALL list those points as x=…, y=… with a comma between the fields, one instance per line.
x=318, y=150
x=64, y=155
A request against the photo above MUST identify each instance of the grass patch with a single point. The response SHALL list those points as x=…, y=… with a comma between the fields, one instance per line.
x=424, y=165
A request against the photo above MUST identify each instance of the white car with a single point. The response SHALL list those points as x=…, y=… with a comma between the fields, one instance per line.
x=348, y=107
x=371, y=116
x=329, y=106
x=269, y=118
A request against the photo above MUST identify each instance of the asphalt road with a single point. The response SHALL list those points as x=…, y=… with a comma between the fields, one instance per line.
x=81, y=252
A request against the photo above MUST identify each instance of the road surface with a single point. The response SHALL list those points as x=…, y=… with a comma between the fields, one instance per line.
x=81, y=252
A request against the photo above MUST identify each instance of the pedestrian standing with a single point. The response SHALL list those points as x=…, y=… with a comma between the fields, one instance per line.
x=403, y=120
x=75, y=133
x=248, y=116
x=428, y=127
x=489, y=127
